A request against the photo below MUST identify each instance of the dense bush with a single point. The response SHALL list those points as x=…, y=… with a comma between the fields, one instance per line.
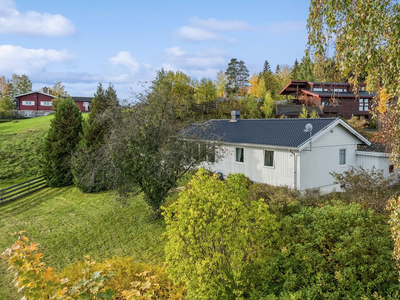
x=281, y=200
x=61, y=140
x=217, y=237
x=368, y=188
x=333, y=252
x=126, y=272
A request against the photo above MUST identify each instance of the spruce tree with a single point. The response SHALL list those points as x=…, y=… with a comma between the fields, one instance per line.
x=295, y=70
x=61, y=140
x=87, y=164
x=267, y=67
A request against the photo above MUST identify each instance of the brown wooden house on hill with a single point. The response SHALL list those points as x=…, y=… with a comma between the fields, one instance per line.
x=37, y=104
x=335, y=99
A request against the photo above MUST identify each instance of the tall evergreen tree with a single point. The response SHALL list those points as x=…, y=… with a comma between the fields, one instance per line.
x=237, y=74
x=61, y=140
x=89, y=174
x=278, y=69
x=267, y=67
x=306, y=69
x=295, y=70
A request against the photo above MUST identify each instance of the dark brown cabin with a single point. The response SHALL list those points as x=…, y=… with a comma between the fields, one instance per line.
x=335, y=99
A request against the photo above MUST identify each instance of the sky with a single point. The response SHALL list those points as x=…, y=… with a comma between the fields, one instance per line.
x=83, y=43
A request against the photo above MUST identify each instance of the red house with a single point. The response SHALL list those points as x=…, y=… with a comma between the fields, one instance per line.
x=36, y=104
x=335, y=99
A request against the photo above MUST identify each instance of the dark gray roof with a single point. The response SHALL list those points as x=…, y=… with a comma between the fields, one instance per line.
x=294, y=110
x=342, y=94
x=83, y=99
x=272, y=132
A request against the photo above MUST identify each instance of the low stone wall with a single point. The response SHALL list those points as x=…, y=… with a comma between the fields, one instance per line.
x=33, y=113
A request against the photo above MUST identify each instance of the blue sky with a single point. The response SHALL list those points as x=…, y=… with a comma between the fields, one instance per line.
x=82, y=43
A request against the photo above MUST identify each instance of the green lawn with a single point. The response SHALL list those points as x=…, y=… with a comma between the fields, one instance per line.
x=18, y=126
x=69, y=224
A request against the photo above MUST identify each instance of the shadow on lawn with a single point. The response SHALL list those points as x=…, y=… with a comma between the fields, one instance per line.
x=33, y=200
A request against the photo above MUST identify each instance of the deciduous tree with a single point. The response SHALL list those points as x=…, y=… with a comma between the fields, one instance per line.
x=20, y=85
x=221, y=83
x=148, y=150
x=365, y=43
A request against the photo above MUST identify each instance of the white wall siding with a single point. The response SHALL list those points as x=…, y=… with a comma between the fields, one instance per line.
x=317, y=164
x=337, y=136
x=368, y=160
x=282, y=173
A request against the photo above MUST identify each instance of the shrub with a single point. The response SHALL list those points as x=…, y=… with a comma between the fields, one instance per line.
x=281, y=200
x=61, y=140
x=332, y=252
x=366, y=187
x=357, y=124
x=126, y=272
x=217, y=237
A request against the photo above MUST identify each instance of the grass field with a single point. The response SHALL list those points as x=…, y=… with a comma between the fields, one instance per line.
x=69, y=224
x=22, y=125
x=65, y=222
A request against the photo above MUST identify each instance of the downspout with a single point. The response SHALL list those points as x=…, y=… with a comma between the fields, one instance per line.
x=294, y=168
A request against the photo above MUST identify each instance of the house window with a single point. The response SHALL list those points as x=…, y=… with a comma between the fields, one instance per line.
x=239, y=154
x=317, y=89
x=46, y=103
x=391, y=169
x=86, y=106
x=338, y=90
x=28, y=103
x=268, y=158
x=342, y=157
x=363, y=105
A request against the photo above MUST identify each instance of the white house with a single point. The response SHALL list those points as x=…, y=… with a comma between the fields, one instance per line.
x=299, y=153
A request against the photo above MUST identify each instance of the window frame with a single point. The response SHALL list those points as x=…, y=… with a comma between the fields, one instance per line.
x=31, y=103
x=43, y=103
x=236, y=155
x=273, y=159
x=345, y=157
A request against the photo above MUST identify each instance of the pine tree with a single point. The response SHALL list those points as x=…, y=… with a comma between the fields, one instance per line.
x=295, y=71
x=278, y=69
x=267, y=67
x=61, y=140
x=89, y=173
x=237, y=74
x=306, y=69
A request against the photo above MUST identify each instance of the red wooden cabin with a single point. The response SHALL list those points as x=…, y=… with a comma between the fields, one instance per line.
x=335, y=99
x=36, y=104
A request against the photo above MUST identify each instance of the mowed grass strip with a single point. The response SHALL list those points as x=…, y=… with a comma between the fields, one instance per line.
x=69, y=225
x=22, y=125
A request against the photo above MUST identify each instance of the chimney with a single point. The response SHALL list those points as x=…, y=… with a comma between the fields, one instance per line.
x=235, y=115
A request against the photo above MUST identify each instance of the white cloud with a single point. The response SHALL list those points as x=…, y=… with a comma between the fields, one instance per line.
x=198, y=64
x=124, y=58
x=283, y=27
x=217, y=25
x=16, y=59
x=197, y=34
x=32, y=22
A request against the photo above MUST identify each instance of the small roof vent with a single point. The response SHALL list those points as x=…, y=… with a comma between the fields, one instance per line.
x=235, y=115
